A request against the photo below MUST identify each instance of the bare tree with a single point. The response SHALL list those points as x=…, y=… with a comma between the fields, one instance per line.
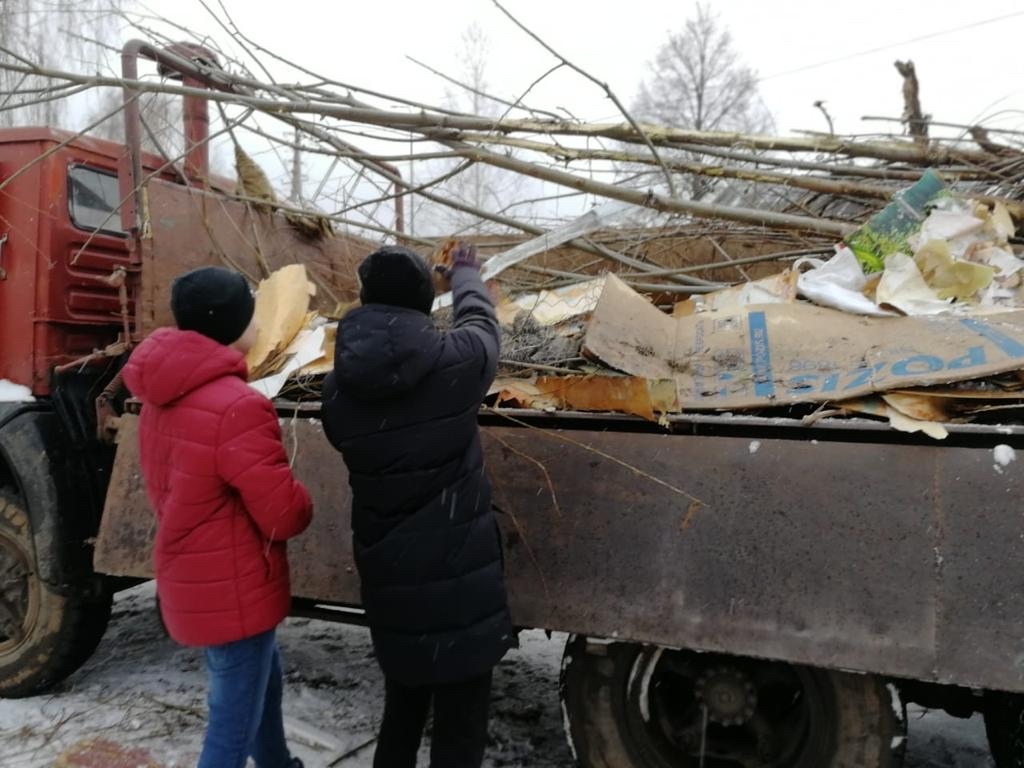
x=479, y=186
x=473, y=186
x=698, y=80
x=68, y=34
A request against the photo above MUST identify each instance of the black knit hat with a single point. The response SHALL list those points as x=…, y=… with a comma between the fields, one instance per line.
x=398, y=277
x=213, y=301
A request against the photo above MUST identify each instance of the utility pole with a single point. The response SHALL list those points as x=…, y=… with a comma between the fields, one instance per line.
x=412, y=185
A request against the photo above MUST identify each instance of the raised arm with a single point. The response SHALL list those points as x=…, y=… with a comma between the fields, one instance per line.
x=475, y=332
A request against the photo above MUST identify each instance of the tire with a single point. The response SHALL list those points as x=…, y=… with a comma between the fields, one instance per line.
x=44, y=636
x=632, y=706
x=1004, y=726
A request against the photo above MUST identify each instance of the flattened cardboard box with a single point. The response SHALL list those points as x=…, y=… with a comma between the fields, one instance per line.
x=776, y=354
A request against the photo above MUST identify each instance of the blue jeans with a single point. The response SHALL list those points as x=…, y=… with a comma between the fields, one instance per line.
x=245, y=705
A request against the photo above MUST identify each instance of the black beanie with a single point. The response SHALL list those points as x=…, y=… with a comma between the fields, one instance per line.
x=213, y=301
x=398, y=277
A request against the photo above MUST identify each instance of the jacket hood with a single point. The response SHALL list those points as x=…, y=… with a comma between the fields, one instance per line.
x=171, y=363
x=383, y=351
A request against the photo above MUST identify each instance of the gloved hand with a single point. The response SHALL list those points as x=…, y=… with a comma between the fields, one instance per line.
x=461, y=254
x=464, y=255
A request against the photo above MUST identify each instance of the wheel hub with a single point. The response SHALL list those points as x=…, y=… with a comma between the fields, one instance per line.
x=728, y=695
x=14, y=592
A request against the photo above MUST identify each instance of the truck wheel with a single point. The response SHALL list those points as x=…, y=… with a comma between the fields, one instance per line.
x=632, y=706
x=44, y=636
x=1004, y=725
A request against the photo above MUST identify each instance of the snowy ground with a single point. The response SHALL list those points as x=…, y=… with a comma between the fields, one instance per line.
x=142, y=690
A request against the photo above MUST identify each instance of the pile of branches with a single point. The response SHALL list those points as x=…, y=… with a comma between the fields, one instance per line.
x=798, y=193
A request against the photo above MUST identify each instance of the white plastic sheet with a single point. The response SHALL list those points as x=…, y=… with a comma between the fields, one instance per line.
x=592, y=220
x=838, y=283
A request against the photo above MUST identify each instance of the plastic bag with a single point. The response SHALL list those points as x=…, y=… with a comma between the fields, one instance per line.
x=838, y=283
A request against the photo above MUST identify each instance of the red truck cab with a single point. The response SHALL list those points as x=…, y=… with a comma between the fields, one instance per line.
x=62, y=242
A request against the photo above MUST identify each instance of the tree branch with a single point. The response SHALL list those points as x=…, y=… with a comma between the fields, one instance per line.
x=604, y=86
x=439, y=124
x=491, y=97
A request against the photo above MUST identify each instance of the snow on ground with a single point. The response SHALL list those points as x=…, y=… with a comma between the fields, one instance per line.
x=142, y=690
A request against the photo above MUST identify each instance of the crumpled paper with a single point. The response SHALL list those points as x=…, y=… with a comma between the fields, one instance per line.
x=903, y=287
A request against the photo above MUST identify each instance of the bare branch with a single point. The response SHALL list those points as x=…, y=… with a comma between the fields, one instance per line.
x=469, y=87
x=819, y=104
x=917, y=123
x=604, y=86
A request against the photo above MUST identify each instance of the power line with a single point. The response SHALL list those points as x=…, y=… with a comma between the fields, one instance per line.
x=889, y=46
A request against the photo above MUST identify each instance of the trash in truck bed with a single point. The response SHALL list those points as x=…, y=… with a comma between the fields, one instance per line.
x=795, y=353
x=897, y=333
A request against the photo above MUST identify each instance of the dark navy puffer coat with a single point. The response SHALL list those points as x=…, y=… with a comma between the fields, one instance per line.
x=401, y=407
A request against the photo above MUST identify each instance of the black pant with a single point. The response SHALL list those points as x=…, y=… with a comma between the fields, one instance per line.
x=460, y=724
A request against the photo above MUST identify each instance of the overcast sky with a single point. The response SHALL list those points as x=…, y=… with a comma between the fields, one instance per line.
x=969, y=65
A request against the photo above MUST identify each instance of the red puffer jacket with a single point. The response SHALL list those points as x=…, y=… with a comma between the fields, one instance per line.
x=217, y=475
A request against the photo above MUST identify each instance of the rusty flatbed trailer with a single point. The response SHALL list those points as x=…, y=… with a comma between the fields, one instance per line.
x=844, y=564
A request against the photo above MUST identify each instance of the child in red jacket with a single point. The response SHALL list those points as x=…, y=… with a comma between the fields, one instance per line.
x=226, y=502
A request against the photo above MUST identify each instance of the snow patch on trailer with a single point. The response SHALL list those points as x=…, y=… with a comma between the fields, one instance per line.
x=14, y=393
x=1003, y=455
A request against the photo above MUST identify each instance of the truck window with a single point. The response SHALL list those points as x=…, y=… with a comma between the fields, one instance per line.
x=93, y=200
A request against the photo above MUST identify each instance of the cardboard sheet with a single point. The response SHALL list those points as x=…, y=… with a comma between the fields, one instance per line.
x=790, y=353
x=776, y=289
x=307, y=348
x=918, y=406
x=898, y=420
x=554, y=306
x=282, y=304
x=619, y=394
